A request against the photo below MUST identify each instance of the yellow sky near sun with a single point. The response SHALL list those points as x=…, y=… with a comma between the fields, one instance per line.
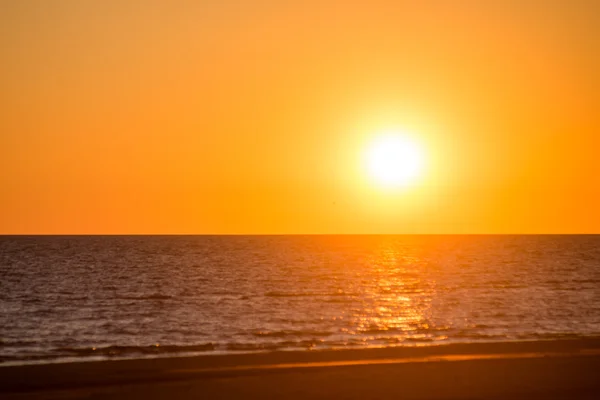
x=254, y=116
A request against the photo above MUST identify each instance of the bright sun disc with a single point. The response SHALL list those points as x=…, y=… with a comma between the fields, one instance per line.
x=394, y=161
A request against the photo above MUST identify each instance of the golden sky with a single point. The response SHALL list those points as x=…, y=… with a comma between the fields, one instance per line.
x=254, y=116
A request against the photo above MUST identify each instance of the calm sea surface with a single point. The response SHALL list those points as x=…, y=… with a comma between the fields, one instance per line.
x=95, y=297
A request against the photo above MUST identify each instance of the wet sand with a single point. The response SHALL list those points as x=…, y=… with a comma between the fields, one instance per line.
x=560, y=369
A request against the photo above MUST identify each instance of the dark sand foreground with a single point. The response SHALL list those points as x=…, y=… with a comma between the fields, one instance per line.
x=564, y=369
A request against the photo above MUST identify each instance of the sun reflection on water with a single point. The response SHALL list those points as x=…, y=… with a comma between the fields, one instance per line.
x=397, y=303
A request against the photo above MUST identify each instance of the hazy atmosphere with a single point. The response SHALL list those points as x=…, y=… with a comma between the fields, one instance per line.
x=256, y=116
x=272, y=199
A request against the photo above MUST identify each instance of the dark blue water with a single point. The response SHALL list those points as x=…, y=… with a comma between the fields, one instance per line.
x=93, y=297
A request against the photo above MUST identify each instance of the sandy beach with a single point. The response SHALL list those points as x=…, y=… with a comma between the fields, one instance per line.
x=563, y=369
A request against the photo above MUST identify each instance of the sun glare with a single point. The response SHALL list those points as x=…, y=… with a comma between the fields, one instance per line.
x=394, y=160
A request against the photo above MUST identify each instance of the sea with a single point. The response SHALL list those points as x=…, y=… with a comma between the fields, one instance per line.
x=78, y=298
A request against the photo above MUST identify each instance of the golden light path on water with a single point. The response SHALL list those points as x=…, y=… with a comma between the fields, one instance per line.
x=397, y=305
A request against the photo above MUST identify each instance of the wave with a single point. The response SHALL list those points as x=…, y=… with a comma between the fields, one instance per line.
x=113, y=351
x=308, y=294
x=273, y=346
x=286, y=333
x=17, y=343
x=155, y=296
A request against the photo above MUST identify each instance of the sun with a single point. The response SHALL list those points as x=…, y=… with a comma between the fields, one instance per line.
x=394, y=160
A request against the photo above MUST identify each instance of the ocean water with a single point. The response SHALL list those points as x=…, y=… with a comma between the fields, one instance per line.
x=96, y=297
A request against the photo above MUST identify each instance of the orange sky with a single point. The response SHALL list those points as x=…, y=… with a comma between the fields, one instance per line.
x=252, y=116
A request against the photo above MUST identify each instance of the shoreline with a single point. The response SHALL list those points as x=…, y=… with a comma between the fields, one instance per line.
x=557, y=364
x=564, y=343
